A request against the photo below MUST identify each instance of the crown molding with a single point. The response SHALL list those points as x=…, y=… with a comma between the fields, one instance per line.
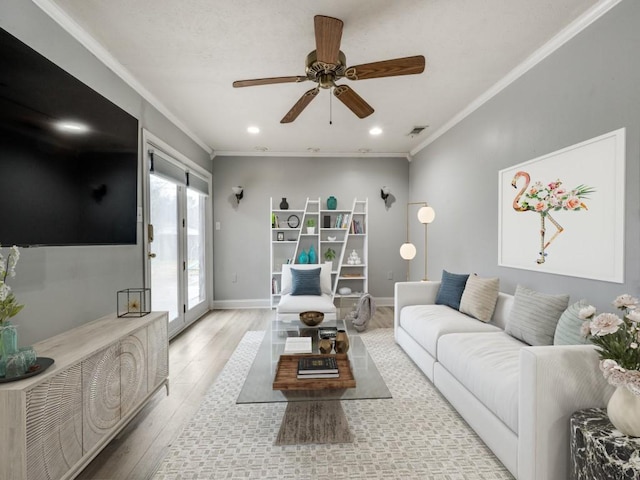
x=76, y=31
x=253, y=153
x=566, y=34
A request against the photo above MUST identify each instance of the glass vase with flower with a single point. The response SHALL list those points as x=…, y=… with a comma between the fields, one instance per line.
x=618, y=342
x=9, y=307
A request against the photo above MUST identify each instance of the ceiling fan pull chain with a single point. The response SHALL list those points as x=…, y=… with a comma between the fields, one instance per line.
x=331, y=108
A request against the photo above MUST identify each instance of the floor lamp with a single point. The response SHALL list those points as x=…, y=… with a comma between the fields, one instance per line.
x=426, y=215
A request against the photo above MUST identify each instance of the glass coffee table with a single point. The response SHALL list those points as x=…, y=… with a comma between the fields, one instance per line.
x=312, y=416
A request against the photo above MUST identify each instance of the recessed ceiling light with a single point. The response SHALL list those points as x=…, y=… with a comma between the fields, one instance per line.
x=253, y=129
x=262, y=149
x=375, y=131
x=313, y=149
x=364, y=150
x=71, y=127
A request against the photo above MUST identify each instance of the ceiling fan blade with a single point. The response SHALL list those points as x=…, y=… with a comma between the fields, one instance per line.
x=268, y=81
x=353, y=101
x=386, y=68
x=300, y=106
x=328, y=36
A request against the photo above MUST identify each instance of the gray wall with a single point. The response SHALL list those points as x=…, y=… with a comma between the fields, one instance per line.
x=241, y=246
x=588, y=87
x=63, y=287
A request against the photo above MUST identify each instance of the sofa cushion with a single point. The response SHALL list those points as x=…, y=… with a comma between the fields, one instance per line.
x=451, y=288
x=305, y=282
x=325, y=276
x=534, y=316
x=488, y=366
x=568, y=330
x=302, y=303
x=479, y=297
x=426, y=323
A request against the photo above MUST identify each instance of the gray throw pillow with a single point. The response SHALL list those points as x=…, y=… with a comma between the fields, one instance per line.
x=534, y=316
x=479, y=297
x=568, y=329
x=451, y=288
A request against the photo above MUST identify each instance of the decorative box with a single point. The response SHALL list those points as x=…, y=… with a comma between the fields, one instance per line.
x=134, y=302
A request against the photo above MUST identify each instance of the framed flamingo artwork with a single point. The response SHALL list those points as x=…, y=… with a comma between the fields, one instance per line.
x=563, y=213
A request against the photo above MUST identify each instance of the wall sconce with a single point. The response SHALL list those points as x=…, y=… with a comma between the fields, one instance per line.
x=384, y=193
x=426, y=215
x=238, y=192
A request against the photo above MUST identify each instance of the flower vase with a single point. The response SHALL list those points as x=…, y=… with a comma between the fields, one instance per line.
x=342, y=342
x=623, y=410
x=303, y=257
x=8, y=345
x=332, y=203
x=313, y=256
x=284, y=205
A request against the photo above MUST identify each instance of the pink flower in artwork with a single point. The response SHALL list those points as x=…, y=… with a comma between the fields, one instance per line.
x=540, y=206
x=572, y=202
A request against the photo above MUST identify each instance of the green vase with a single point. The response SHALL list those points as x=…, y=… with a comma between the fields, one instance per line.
x=332, y=203
x=8, y=345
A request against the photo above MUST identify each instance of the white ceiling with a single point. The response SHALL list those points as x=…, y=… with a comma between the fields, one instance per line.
x=187, y=53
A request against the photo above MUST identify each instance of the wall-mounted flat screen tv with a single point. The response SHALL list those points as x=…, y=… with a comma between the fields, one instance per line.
x=68, y=157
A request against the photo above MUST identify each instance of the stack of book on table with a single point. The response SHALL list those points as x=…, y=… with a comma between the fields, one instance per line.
x=317, y=367
x=295, y=345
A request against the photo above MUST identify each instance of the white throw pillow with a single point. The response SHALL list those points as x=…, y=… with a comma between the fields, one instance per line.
x=325, y=276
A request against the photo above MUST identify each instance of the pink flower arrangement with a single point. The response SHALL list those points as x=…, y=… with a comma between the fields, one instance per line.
x=543, y=198
x=617, y=340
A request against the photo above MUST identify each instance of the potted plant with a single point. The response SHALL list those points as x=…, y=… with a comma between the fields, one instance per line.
x=311, y=226
x=329, y=255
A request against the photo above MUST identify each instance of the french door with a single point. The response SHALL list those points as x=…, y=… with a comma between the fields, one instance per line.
x=177, y=241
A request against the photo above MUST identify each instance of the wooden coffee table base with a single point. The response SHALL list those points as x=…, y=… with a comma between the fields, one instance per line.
x=314, y=422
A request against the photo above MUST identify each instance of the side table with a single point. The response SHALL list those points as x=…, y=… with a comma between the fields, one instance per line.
x=599, y=451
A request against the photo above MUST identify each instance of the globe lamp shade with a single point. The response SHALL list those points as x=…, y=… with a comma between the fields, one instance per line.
x=408, y=251
x=426, y=215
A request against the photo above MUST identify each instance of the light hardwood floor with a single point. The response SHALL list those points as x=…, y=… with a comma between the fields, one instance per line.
x=196, y=357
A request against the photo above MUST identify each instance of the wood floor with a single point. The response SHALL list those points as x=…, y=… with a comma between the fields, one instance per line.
x=196, y=357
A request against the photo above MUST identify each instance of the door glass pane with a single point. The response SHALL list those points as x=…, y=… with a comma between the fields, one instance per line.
x=195, y=248
x=164, y=267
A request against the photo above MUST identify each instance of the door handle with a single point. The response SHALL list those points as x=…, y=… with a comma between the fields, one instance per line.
x=152, y=255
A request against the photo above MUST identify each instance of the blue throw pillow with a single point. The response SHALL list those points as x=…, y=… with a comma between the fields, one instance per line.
x=305, y=282
x=451, y=289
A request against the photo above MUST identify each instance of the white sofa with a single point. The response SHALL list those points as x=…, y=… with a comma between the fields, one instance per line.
x=516, y=397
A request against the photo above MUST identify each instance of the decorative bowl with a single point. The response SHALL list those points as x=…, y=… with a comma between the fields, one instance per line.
x=344, y=291
x=311, y=319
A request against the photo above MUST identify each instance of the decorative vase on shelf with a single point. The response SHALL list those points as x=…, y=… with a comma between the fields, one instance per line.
x=623, y=410
x=342, y=342
x=303, y=257
x=283, y=204
x=332, y=203
x=8, y=345
x=313, y=256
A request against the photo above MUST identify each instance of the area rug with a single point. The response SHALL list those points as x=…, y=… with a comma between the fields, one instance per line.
x=414, y=435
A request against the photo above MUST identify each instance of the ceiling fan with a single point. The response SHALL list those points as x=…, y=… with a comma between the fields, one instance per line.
x=327, y=64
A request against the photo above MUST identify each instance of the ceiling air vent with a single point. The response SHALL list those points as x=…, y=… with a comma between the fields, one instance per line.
x=417, y=130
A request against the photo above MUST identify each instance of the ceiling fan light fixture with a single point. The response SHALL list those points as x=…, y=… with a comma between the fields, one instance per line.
x=375, y=131
x=253, y=129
